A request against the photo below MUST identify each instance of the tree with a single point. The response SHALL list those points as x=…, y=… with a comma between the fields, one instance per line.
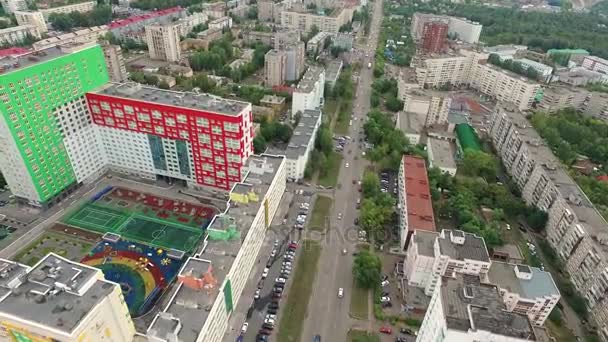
x=394, y=104
x=480, y=164
x=324, y=142
x=259, y=144
x=163, y=85
x=367, y=269
x=370, y=184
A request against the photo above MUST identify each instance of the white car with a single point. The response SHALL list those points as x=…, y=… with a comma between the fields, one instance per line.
x=269, y=321
x=385, y=299
x=270, y=316
x=339, y=216
x=273, y=253
x=280, y=280
x=340, y=292
x=244, y=328
x=384, y=283
x=346, y=165
x=265, y=273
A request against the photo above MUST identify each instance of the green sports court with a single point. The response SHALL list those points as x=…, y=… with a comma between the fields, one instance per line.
x=136, y=227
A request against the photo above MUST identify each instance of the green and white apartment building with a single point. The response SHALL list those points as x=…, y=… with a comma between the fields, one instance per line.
x=47, y=146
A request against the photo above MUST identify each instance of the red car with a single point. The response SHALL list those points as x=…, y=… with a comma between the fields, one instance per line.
x=386, y=330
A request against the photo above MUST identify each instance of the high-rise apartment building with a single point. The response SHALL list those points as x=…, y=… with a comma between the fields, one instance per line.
x=434, y=36
x=115, y=63
x=295, y=53
x=61, y=300
x=275, y=67
x=31, y=18
x=305, y=21
x=45, y=129
x=199, y=139
x=309, y=92
x=163, y=42
x=458, y=28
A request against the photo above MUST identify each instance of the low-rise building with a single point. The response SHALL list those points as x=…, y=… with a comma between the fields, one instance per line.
x=411, y=124
x=332, y=72
x=580, y=76
x=221, y=23
x=544, y=71
x=187, y=24
x=559, y=97
x=414, y=206
x=465, y=310
x=208, y=36
x=343, y=41
x=432, y=106
x=595, y=63
x=81, y=7
x=317, y=42
x=441, y=155
x=432, y=255
x=276, y=103
x=525, y=289
x=301, y=144
x=17, y=34
x=253, y=37
x=309, y=92
x=31, y=18
x=87, y=35
x=61, y=300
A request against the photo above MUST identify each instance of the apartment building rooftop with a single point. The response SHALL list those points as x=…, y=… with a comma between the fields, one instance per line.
x=85, y=32
x=460, y=245
x=425, y=242
x=11, y=63
x=302, y=134
x=319, y=37
x=138, y=18
x=332, y=71
x=56, y=292
x=311, y=76
x=471, y=305
x=527, y=281
x=410, y=122
x=419, y=205
x=508, y=73
x=199, y=101
x=272, y=99
x=443, y=155
x=186, y=311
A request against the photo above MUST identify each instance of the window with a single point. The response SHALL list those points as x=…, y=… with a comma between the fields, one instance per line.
x=119, y=113
x=218, y=145
x=232, y=143
x=170, y=122
x=220, y=174
x=156, y=114
x=184, y=135
x=233, y=158
x=219, y=160
x=233, y=172
x=145, y=117
x=216, y=129
x=207, y=167
x=95, y=109
x=181, y=118
x=159, y=129
x=202, y=122
x=204, y=138
x=205, y=152
x=231, y=127
x=132, y=125
x=105, y=105
x=128, y=109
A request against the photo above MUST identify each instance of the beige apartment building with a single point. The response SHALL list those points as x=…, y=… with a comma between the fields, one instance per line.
x=81, y=7
x=449, y=68
x=61, y=300
x=163, y=42
x=17, y=34
x=575, y=229
x=304, y=21
x=31, y=18
x=275, y=67
x=90, y=34
x=559, y=97
x=115, y=63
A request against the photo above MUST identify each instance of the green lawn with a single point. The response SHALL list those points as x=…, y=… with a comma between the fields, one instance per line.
x=359, y=302
x=320, y=213
x=330, y=176
x=560, y=332
x=293, y=313
x=362, y=336
x=329, y=108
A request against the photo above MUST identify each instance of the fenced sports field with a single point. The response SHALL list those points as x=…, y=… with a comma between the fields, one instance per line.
x=136, y=227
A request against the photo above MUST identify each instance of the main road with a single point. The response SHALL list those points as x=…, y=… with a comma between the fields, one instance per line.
x=328, y=315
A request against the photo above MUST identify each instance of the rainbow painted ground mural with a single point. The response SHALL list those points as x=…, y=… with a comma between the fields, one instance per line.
x=142, y=272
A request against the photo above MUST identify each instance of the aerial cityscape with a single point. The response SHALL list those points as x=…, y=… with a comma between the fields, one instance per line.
x=304, y=170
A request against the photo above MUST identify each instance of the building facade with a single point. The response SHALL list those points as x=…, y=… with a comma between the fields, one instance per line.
x=302, y=143
x=465, y=30
x=81, y=7
x=31, y=18
x=197, y=138
x=296, y=54
x=275, y=67
x=594, y=63
x=310, y=90
x=115, y=63
x=163, y=42
x=306, y=21
x=18, y=34
x=74, y=302
x=414, y=205
x=434, y=36
x=50, y=144
x=221, y=23
x=560, y=97
x=88, y=35
x=10, y=6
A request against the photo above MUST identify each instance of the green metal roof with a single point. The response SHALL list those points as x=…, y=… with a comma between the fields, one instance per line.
x=467, y=137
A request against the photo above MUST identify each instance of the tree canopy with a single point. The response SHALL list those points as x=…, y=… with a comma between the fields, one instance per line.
x=367, y=269
x=100, y=15
x=479, y=164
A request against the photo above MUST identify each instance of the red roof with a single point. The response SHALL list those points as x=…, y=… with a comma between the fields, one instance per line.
x=14, y=51
x=137, y=18
x=602, y=178
x=419, y=204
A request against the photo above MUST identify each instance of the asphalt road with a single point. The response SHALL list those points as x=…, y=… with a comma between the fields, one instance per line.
x=327, y=314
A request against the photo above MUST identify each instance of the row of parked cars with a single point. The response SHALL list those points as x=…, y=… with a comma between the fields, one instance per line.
x=302, y=214
x=384, y=183
x=277, y=291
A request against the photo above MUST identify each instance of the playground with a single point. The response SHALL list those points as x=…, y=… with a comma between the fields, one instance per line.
x=144, y=218
x=143, y=272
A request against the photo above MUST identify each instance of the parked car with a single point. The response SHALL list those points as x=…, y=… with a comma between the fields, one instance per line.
x=385, y=299
x=244, y=328
x=257, y=294
x=386, y=330
x=269, y=321
x=265, y=332
x=280, y=280
x=265, y=273
x=340, y=292
x=268, y=326
x=272, y=311
x=384, y=283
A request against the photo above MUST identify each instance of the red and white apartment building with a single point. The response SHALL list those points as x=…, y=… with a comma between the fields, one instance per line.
x=200, y=139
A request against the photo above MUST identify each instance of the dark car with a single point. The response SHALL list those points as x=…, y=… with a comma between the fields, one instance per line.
x=262, y=338
x=356, y=221
x=317, y=338
x=273, y=305
x=276, y=295
x=265, y=332
x=268, y=326
x=272, y=311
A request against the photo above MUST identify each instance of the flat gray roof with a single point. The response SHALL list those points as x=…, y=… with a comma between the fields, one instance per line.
x=471, y=305
x=311, y=76
x=302, y=134
x=443, y=154
x=191, y=100
x=56, y=292
x=541, y=284
x=474, y=248
x=332, y=71
x=272, y=99
x=225, y=236
x=409, y=122
x=425, y=241
x=13, y=63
